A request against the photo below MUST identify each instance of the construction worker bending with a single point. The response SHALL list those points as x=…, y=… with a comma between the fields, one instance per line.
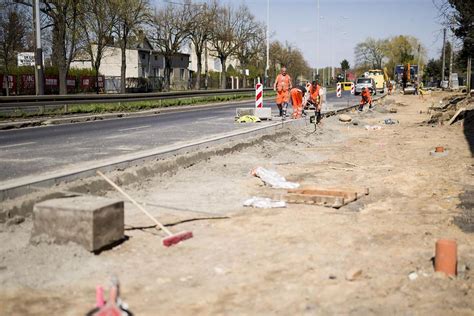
x=390, y=87
x=366, y=99
x=299, y=98
x=315, y=98
x=282, y=86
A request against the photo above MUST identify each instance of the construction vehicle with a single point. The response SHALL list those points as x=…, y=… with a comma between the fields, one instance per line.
x=379, y=79
x=385, y=75
x=407, y=74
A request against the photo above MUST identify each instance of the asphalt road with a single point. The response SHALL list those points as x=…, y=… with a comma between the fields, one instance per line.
x=33, y=151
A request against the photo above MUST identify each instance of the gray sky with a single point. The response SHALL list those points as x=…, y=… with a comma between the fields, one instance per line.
x=345, y=23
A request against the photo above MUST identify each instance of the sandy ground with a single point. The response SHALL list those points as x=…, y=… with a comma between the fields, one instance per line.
x=290, y=261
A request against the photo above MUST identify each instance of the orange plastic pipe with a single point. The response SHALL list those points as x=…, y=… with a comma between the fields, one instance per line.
x=446, y=257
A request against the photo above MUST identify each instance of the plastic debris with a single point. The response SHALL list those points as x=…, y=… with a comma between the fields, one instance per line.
x=259, y=202
x=372, y=127
x=248, y=119
x=272, y=178
x=413, y=276
x=389, y=121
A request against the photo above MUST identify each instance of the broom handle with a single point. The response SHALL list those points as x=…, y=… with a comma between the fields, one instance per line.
x=166, y=230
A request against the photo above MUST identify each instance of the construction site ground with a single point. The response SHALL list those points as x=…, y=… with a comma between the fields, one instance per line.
x=370, y=257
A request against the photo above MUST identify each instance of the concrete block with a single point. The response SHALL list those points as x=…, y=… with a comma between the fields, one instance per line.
x=90, y=221
x=263, y=113
x=239, y=112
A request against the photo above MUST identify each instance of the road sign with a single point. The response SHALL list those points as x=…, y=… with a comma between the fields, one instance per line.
x=338, y=90
x=259, y=95
x=26, y=59
x=352, y=88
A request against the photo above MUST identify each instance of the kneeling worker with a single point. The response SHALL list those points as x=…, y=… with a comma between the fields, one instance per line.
x=299, y=97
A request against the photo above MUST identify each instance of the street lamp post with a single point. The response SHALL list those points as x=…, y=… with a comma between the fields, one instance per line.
x=267, y=66
x=317, y=40
x=39, y=75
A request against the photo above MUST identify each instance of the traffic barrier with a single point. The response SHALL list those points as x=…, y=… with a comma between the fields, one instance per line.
x=259, y=95
x=338, y=90
x=346, y=86
x=352, y=88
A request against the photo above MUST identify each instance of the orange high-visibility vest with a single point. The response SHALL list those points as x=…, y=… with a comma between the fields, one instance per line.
x=283, y=82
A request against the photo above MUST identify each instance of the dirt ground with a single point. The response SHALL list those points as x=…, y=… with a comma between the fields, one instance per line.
x=289, y=261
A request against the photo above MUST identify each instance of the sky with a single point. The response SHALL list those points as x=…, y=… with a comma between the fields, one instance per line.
x=344, y=23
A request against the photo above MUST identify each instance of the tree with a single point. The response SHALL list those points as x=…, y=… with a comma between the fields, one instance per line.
x=231, y=29
x=12, y=39
x=171, y=28
x=250, y=52
x=63, y=17
x=458, y=15
x=97, y=21
x=131, y=15
x=371, y=53
x=289, y=56
x=344, y=67
x=403, y=49
x=199, y=34
x=433, y=69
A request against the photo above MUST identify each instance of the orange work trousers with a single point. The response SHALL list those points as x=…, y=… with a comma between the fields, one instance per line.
x=282, y=97
x=297, y=101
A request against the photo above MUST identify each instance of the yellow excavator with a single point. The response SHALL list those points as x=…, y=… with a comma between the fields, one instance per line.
x=388, y=82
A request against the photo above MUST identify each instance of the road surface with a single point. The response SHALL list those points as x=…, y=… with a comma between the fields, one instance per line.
x=33, y=151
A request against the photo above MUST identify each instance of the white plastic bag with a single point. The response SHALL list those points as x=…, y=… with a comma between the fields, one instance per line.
x=260, y=202
x=273, y=179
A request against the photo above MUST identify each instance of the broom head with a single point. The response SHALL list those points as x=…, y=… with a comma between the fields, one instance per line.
x=176, y=238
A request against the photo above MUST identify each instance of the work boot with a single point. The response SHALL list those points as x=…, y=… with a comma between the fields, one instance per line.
x=281, y=112
x=318, y=117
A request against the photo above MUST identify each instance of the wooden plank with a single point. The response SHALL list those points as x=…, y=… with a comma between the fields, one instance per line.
x=451, y=121
x=324, y=200
x=360, y=191
x=349, y=196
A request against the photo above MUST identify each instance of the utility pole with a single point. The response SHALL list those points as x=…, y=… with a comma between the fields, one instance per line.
x=267, y=66
x=39, y=74
x=444, y=53
x=419, y=66
x=451, y=55
x=206, y=69
x=468, y=75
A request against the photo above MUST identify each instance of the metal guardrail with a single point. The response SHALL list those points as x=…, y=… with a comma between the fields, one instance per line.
x=31, y=100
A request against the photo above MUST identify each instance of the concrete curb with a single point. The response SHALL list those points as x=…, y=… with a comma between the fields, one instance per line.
x=70, y=119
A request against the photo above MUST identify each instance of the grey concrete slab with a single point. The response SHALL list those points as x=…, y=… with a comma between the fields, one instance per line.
x=90, y=221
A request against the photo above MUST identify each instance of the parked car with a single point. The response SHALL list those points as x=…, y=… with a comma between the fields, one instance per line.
x=365, y=83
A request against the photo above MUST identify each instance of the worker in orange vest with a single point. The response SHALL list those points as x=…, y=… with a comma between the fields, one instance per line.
x=366, y=99
x=299, y=97
x=282, y=86
x=314, y=98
